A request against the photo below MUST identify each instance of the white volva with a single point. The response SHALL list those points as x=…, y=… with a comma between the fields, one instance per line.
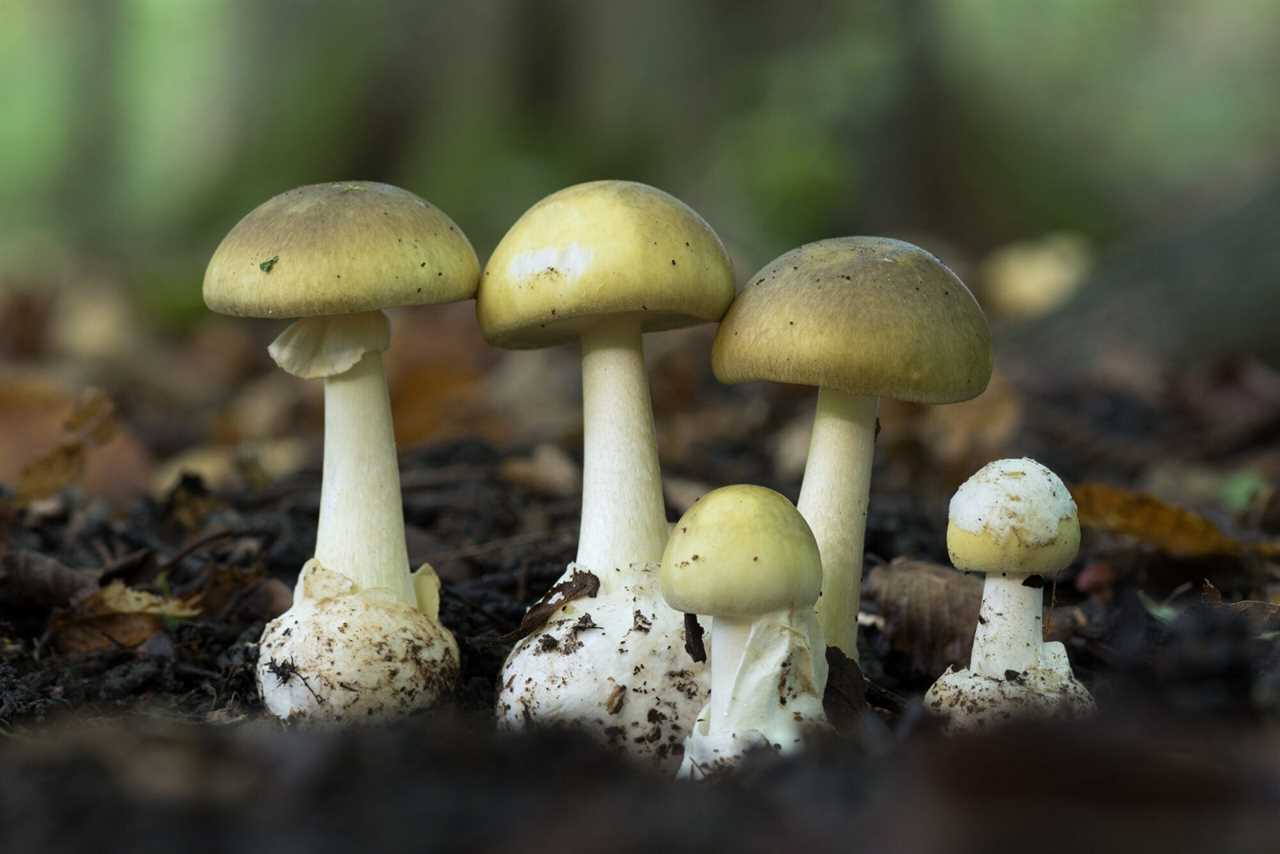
x=359, y=618
x=628, y=678
x=343, y=653
x=766, y=690
x=613, y=664
x=833, y=500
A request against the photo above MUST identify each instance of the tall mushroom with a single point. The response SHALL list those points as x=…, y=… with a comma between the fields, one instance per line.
x=603, y=263
x=362, y=639
x=861, y=318
x=744, y=556
x=1015, y=522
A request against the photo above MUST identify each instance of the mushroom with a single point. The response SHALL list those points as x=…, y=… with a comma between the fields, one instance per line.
x=362, y=639
x=744, y=556
x=861, y=318
x=1015, y=522
x=603, y=263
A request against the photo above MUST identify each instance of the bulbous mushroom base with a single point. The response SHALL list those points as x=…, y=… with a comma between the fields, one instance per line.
x=342, y=654
x=971, y=701
x=615, y=666
x=776, y=698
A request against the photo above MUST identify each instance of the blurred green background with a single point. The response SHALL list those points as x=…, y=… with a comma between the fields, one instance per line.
x=136, y=132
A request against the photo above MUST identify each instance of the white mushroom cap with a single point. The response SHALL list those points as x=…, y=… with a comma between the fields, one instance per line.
x=343, y=654
x=1013, y=516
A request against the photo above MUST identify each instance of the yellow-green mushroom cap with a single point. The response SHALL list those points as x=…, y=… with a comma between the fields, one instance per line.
x=340, y=248
x=741, y=551
x=602, y=250
x=864, y=315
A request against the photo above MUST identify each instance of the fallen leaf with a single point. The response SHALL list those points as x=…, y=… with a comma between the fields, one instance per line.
x=930, y=612
x=693, y=642
x=1263, y=617
x=32, y=580
x=1174, y=530
x=577, y=586
x=51, y=472
x=92, y=418
x=117, y=616
x=53, y=440
x=845, y=699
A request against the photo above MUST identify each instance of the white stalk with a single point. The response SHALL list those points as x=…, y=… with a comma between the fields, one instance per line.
x=1010, y=632
x=728, y=644
x=361, y=529
x=624, y=519
x=833, y=500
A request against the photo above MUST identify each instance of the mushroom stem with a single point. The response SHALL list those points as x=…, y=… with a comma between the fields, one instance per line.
x=361, y=530
x=728, y=644
x=624, y=519
x=1010, y=632
x=833, y=500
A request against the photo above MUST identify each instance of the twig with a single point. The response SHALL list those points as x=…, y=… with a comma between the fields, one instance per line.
x=208, y=539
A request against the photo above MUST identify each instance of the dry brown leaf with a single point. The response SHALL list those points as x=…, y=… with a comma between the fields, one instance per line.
x=32, y=580
x=1174, y=530
x=117, y=616
x=118, y=598
x=52, y=472
x=929, y=610
x=577, y=586
x=90, y=424
x=92, y=418
x=1263, y=617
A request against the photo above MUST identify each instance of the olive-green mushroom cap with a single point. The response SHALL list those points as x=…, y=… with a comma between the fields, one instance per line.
x=865, y=315
x=741, y=551
x=597, y=251
x=340, y=248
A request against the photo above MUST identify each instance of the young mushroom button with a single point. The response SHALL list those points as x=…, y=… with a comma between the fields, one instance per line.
x=603, y=263
x=362, y=639
x=744, y=556
x=1015, y=522
x=860, y=318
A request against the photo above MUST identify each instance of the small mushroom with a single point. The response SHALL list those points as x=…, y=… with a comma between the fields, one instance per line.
x=744, y=556
x=603, y=263
x=335, y=255
x=861, y=318
x=1015, y=522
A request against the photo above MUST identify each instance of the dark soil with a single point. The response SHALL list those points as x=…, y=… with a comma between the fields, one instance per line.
x=162, y=746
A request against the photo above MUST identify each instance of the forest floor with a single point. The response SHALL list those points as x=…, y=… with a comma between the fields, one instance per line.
x=127, y=646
